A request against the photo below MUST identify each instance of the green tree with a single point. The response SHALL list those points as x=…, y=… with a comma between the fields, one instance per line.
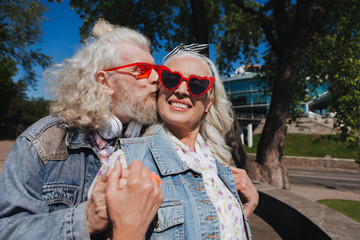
x=22, y=112
x=20, y=22
x=335, y=59
x=287, y=29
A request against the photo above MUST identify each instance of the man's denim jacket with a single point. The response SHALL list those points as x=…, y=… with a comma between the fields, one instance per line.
x=187, y=212
x=44, y=183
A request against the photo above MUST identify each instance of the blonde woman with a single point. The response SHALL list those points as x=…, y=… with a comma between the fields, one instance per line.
x=189, y=154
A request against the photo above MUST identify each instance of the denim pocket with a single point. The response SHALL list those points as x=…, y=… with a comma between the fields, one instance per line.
x=171, y=218
x=60, y=195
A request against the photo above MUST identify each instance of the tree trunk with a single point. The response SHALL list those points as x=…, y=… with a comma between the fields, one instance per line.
x=237, y=149
x=200, y=27
x=268, y=167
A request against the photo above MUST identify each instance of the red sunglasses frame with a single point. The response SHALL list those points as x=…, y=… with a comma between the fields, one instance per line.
x=146, y=69
x=211, y=80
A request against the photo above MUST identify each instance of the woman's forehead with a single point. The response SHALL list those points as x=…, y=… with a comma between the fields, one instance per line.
x=188, y=65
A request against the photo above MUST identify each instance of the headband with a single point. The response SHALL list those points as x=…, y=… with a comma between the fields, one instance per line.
x=195, y=47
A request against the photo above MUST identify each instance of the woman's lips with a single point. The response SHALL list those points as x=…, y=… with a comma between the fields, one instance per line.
x=179, y=105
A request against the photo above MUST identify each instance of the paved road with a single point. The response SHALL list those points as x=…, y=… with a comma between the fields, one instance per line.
x=324, y=184
x=342, y=181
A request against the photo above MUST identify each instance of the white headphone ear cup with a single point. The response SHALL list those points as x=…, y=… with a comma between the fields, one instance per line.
x=110, y=128
x=133, y=129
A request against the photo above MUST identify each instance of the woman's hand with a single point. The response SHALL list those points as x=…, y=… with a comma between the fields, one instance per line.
x=247, y=190
x=96, y=211
x=132, y=198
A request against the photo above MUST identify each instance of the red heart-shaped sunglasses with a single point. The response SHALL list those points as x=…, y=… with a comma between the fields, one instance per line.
x=197, y=86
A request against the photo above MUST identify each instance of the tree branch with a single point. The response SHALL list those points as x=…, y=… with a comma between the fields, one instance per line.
x=264, y=21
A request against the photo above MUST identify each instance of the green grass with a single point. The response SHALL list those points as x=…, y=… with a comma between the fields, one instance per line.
x=349, y=208
x=311, y=146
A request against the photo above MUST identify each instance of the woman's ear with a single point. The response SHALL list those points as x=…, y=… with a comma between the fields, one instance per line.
x=103, y=80
x=211, y=100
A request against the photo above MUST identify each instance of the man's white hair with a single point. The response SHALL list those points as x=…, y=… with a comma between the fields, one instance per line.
x=78, y=98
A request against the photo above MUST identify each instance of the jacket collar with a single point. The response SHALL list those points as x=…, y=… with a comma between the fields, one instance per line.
x=162, y=151
x=77, y=138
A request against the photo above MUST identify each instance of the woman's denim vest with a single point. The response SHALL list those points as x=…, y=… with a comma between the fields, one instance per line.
x=187, y=212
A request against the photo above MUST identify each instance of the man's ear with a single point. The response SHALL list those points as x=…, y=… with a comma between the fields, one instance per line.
x=103, y=79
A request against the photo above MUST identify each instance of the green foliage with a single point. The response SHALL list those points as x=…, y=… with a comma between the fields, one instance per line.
x=22, y=113
x=349, y=208
x=312, y=146
x=335, y=59
x=239, y=34
x=20, y=22
x=173, y=21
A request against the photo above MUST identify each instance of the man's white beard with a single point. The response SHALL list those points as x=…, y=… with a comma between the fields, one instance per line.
x=142, y=109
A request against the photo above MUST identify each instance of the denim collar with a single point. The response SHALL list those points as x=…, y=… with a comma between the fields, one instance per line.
x=77, y=138
x=162, y=150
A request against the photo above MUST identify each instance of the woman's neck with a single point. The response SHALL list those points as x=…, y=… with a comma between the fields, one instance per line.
x=185, y=135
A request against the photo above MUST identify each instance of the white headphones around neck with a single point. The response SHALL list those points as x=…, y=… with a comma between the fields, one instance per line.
x=112, y=128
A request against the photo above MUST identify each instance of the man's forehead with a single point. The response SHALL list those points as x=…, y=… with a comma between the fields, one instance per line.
x=131, y=53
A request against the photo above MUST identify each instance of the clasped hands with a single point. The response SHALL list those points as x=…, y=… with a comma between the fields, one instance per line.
x=129, y=199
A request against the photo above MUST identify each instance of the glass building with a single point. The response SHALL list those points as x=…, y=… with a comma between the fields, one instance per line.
x=246, y=92
x=251, y=104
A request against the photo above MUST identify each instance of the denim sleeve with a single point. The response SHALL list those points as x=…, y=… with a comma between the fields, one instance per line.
x=24, y=214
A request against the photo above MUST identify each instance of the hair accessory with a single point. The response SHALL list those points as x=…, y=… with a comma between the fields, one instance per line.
x=195, y=47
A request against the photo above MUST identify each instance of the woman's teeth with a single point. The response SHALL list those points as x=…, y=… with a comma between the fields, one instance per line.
x=180, y=105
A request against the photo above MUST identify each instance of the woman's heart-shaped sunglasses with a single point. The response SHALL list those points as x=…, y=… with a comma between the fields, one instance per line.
x=197, y=86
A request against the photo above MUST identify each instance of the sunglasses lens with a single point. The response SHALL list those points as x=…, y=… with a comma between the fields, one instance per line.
x=169, y=80
x=145, y=70
x=197, y=86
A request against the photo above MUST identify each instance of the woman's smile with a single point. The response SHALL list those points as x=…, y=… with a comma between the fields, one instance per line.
x=179, y=105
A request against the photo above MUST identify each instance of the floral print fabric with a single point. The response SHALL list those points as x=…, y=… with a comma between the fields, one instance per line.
x=228, y=208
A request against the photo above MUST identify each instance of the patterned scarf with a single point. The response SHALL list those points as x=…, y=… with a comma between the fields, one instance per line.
x=228, y=208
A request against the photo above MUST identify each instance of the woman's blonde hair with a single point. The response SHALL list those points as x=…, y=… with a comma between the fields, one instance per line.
x=78, y=98
x=218, y=121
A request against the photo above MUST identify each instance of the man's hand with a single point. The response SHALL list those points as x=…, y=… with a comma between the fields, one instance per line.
x=247, y=190
x=133, y=199
x=96, y=211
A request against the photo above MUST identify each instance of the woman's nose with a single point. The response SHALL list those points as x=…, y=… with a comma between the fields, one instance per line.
x=182, y=89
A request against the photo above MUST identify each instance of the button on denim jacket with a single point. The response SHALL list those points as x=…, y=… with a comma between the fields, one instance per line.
x=44, y=183
x=187, y=212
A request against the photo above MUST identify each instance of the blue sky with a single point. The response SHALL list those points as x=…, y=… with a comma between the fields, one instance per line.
x=61, y=39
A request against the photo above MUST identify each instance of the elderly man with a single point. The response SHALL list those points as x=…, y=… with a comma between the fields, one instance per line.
x=107, y=90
